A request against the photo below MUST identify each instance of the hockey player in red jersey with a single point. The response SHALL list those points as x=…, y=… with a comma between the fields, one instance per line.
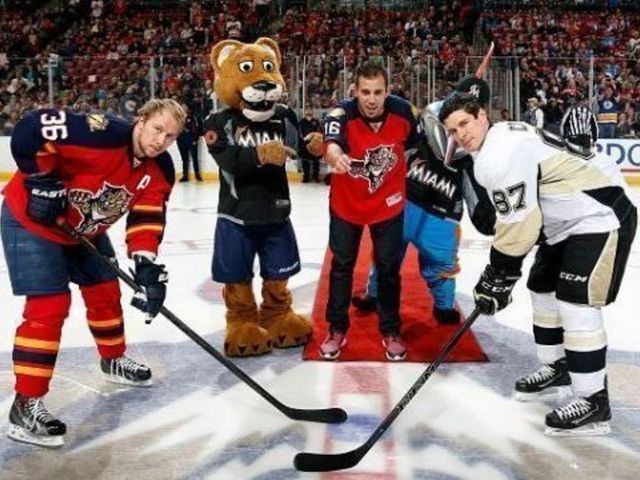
x=88, y=170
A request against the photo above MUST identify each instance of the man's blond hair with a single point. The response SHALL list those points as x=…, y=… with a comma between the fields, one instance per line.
x=158, y=105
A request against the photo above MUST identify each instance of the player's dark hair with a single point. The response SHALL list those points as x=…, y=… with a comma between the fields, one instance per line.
x=372, y=69
x=460, y=101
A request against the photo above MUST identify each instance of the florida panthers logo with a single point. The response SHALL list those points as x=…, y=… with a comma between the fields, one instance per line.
x=102, y=208
x=377, y=162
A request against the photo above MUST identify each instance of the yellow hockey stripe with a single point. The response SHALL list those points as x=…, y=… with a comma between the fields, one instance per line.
x=35, y=343
x=589, y=341
x=546, y=320
x=110, y=342
x=142, y=228
x=114, y=322
x=33, y=371
x=146, y=208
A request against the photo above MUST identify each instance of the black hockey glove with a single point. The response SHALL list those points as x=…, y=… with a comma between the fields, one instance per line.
x=492, y=293
x=152, y=277
x=47, y=198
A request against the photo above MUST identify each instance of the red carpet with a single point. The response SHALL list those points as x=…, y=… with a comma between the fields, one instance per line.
x=423, y=336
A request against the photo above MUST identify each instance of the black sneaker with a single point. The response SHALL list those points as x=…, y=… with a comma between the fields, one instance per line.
x=31, y=422
x=125, y=371
x=582, y=416
x=549, y=382
x=364, y=303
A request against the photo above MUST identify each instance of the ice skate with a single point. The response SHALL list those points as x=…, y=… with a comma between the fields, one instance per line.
x=583, y=416
x=549, y=382
x=125, y=371
x=31, y=422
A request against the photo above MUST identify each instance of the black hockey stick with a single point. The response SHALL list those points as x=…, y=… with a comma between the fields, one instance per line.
x=326, y=462
x=326, y=415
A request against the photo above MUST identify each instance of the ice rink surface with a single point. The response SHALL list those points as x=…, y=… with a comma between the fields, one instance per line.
x=199, y=422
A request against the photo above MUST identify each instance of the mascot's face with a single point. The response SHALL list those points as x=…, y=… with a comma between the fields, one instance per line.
x=247, y=76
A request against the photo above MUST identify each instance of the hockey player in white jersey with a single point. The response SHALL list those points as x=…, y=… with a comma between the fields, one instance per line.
x=575, y=204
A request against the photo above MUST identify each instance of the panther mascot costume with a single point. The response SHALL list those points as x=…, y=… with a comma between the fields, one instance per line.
x=250, y=141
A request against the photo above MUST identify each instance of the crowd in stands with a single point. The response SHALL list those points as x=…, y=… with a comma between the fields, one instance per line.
x=115, y=54
x=554, y=48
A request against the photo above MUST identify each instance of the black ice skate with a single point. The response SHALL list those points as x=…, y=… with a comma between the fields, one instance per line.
x=550, y=382
x=580, y=417
x=125, y=371
x=31, y=422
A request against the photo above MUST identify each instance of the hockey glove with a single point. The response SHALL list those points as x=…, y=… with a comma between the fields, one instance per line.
x=152, y=277
x=492, y=293
x=47, y=198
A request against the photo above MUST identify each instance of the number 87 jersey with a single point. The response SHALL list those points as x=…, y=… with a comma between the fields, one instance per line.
x=537, y=181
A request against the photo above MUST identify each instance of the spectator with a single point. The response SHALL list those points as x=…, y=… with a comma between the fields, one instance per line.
x=534, y=114
x=310, y=164
x=553, y=113
x=188, y=146
x=624, y=127
x=608, y=109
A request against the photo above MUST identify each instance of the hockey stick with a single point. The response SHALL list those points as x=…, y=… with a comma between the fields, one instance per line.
x=326, y=462
x=326, y=415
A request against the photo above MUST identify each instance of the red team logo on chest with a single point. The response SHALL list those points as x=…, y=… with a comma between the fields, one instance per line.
x=377, y=163
x=100, y=209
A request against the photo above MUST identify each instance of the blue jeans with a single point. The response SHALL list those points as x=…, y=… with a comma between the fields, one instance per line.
x=38, y=266
x=436, y=240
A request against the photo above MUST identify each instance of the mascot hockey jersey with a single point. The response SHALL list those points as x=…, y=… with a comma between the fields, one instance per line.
x=250, y=193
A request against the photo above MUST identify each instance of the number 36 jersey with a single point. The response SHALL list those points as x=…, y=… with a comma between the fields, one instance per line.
x=537, y=181
x=92, y=155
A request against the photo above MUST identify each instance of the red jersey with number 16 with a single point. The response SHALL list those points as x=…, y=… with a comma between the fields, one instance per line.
x=373, y=190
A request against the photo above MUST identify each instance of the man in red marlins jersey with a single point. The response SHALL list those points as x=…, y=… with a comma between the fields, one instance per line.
x=89, y=170
x=365, y=141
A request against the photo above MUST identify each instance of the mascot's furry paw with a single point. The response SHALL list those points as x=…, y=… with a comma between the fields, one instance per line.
x=314, y=143
x=246, y=340
x=291, y=331
x=245, y=337
x=274, y=152
x=287, y=328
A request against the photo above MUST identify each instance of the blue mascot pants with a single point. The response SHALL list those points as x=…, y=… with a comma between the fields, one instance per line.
x=236, y=246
